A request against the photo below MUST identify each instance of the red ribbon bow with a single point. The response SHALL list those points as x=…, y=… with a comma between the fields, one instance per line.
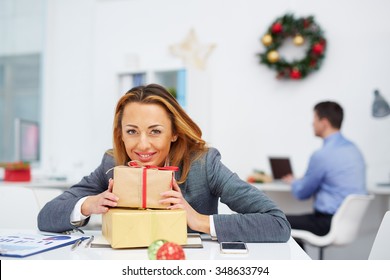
x=144, y=176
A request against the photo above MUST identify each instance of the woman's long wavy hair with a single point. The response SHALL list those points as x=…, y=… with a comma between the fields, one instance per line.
x=189, y=145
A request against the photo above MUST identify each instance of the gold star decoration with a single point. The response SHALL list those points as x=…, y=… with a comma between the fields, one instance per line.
x=191, y=51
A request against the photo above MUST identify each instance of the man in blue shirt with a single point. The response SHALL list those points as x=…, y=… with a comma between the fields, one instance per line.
x=335, y=171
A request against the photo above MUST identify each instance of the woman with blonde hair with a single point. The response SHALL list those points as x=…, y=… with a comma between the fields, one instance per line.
x=153, y=129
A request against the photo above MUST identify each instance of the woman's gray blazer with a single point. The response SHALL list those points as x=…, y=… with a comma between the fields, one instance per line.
x=258, y=219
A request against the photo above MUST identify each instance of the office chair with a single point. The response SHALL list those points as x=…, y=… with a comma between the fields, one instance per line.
x=381, y=248
x=344, y=226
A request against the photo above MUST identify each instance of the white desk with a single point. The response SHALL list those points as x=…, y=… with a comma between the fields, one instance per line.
x=210, y=251
x=273, y=187
x=41, y=183
x=383, y=191
x=44, y=189
x=281, y=194
x=375, y=189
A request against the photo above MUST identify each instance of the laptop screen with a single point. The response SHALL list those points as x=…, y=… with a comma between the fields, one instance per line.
x=280, y=166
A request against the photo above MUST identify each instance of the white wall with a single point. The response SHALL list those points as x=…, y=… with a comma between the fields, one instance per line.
x=250, y=114
x=68, y=121
x=21, y=26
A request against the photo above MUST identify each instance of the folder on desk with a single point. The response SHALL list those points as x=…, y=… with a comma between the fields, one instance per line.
x=20, y=245
x=193, y=241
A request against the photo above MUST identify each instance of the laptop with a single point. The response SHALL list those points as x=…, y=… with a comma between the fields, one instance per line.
x=280, y=166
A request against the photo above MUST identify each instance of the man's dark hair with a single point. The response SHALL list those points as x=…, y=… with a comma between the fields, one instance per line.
x=331, y=111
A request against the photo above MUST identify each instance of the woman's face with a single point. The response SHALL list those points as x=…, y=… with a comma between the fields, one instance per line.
x=147, y=133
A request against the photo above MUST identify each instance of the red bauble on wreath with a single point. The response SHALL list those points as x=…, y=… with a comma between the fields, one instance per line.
x=301, y=30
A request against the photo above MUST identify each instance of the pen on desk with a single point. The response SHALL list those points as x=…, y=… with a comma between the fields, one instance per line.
x=89, y=241
x=76, y=244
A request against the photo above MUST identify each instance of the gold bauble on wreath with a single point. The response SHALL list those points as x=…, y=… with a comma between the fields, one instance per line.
x=298, y=40
x=266, y=40
x=273, y=56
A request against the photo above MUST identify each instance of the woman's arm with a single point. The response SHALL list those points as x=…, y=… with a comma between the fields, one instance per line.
x=258, y=219
x=55, y=215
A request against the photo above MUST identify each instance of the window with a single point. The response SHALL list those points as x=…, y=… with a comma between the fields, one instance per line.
x=173, y=80
x=20, y=97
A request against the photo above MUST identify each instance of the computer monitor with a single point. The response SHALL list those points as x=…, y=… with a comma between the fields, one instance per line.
x=27, y=141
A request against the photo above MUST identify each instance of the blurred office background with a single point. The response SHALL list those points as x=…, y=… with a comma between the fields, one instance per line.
x=65, y=63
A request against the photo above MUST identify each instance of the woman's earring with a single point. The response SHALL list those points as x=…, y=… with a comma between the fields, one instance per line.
x=174, y=139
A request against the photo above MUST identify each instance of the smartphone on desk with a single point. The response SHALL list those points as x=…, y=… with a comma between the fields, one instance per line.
x=233, y=248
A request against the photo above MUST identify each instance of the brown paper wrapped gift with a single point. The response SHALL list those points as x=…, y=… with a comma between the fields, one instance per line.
x=141, y=186
x=131, y=228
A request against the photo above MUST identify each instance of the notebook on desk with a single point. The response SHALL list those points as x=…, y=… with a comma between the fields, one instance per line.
x=280, y=166
x=193, y=241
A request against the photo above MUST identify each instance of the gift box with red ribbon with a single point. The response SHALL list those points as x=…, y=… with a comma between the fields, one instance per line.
x=141, y=186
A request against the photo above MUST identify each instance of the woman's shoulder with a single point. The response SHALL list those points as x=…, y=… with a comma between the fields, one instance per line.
x=213, y=153
x=108, y=159
x=210, y=156
x=210, y=152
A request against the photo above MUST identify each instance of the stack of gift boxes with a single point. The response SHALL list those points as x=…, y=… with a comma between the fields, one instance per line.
x=139, y=219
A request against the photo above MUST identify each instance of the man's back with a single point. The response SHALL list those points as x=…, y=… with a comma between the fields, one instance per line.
x=335, y=171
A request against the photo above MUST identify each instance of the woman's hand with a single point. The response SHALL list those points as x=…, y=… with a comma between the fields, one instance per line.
x=175, y=199
x=100, y=203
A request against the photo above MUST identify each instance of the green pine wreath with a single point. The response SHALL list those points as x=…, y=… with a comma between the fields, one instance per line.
x=301, y=30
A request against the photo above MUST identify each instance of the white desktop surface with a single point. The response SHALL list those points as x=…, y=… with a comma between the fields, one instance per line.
x=210, y=251
x=377, y=189
x=276, y=186
x=40, y=183
x=383, y=191
x=281, y=194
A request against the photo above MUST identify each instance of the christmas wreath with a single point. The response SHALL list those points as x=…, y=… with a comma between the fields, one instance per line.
x=301, y=30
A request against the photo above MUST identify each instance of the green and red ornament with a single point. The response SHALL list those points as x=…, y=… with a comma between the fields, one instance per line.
x=153, y=248
x=164, y=250
x=170, y=251
x=301, y=30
